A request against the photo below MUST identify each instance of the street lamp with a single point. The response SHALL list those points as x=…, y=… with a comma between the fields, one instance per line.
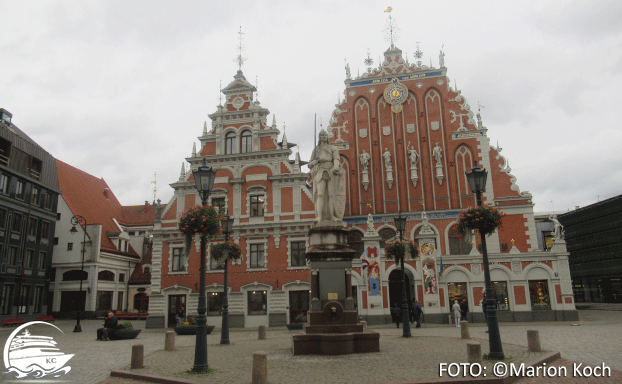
x=227, y=225
x=204, y=177
x=477, y=182
x=400, y=225
x=75, y=220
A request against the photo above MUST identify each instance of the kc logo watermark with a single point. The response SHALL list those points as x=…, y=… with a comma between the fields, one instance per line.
x=34, y=355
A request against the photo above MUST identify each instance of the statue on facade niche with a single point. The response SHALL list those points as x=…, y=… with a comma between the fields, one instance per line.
x=437, y=152
x=365, y=157
x=441, y=59
x=387, y=159
x=370, y=223
x=328, y=181
x=414, y=157
x=558, y=229
x=158, y=215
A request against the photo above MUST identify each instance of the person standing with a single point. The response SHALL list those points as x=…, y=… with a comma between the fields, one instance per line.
x=464, y=309
x=456, y=309
x=396, y=313
x=418, y=311
x=181, y=315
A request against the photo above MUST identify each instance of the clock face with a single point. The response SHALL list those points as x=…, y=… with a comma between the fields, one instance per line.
x=395, y=94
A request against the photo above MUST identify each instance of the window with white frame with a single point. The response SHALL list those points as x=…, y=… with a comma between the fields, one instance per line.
x=297, y=250
x=230, y=143
x=246, y=142
x=179, y=264
x=256, y=255
x=257, y=205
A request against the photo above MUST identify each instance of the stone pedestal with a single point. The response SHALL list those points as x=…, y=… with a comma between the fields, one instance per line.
x=333, y=322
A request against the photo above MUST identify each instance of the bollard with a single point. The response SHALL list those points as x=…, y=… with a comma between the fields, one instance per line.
x=260, y=368
x=262, y=332
x=364, y=324
x=450, y=321
x=169, y=341
x=474, y=353
x=533, y=341
x=464, y=330
x=138, y=351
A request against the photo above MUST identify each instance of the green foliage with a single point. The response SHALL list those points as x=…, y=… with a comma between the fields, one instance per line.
x=218, y=250
x=128, y=325
x=301, y=318
x=202, y=221
x=397, y=249
x=486, y=219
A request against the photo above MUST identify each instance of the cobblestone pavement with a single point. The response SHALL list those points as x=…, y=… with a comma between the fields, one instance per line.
x=595, y=340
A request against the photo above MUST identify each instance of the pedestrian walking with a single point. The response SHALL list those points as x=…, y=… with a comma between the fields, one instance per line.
x=464, y=309
x=396, y=313
x=418, y=311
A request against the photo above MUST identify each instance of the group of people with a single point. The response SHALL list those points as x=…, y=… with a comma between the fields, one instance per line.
x=460, y=311
x=414, y=313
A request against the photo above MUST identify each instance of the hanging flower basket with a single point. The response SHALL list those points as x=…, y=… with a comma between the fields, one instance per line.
x=218, y=250
x=202, y=221
x=397, y=249
x=486, y=219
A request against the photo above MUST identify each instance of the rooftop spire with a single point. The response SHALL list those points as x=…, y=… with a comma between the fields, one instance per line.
x=418, y=55
x=240, y=59
x=392, y=30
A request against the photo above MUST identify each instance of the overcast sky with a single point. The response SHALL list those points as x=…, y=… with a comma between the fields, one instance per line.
x=120, y=89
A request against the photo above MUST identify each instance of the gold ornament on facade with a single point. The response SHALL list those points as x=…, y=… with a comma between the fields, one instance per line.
x=395, y=94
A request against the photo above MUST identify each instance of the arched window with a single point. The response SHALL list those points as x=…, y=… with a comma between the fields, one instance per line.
x=75, y=274
x=245, y=145
x=106, y=276
x=458, y=244
x=386, y=234
x=230, y=146
x=355, y=242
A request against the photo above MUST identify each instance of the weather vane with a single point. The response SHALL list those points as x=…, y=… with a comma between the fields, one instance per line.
x=418, y=55
x=220, y=93
x=392, y=29
x=369, y=61
x=257, y=88
x=240, y=60
x=154, y=189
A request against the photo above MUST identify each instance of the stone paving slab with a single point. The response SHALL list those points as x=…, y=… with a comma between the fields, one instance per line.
x=399, y=360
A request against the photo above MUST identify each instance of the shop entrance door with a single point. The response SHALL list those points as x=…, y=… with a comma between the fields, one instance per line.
x=175, y=302
x=298, y=303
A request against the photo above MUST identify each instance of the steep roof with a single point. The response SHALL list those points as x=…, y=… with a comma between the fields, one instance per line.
x=90, y=197
x=138, y=277
x=138, y=215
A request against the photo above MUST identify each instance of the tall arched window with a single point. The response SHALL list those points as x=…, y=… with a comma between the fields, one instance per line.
x=230, y=146
x=245, y=145
x=386, y=234
x=458, y=244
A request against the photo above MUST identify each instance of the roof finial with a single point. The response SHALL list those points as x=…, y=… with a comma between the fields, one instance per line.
x=418, y=55
x=284, y=144
x=154, y=189
x=204, y=128
x=182, y=174
x=479, y=117
x=392, y=30
x=220, y=94
x=274, y=121
x=194, y=149
x=240, y=59
x=368, y=61
x=257, y=88
x=441, y=57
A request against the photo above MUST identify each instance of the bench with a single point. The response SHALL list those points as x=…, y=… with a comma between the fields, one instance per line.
x=127, y=316
x=13, y=322
x=48, y=318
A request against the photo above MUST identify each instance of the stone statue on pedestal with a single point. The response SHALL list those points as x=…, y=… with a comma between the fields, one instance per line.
x=328, y=181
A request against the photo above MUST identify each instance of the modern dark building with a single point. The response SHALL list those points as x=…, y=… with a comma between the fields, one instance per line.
x=594, y=240
x=28, y=199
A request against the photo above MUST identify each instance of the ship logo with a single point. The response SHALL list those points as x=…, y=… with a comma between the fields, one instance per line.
x=28, y=355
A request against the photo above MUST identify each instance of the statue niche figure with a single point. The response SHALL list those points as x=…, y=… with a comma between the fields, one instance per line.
x=328, y=181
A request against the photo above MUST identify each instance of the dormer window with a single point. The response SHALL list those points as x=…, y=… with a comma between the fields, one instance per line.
x=230, y=143
x=5, y=116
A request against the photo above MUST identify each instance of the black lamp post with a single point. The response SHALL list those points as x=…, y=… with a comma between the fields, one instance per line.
x=400, y=225
x=75, y=220
x=204, y=177
x=477, y=182
x=227, y=225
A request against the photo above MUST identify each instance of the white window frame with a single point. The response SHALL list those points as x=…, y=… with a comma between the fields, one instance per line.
x=170, y=260
x=290, y=240
x=265, y=254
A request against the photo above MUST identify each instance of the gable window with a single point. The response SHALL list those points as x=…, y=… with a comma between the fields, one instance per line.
x=257, y=256
x=178, y=264
x=246, y=145
x=298, y=249
x=257, y=202
x=230, y=143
